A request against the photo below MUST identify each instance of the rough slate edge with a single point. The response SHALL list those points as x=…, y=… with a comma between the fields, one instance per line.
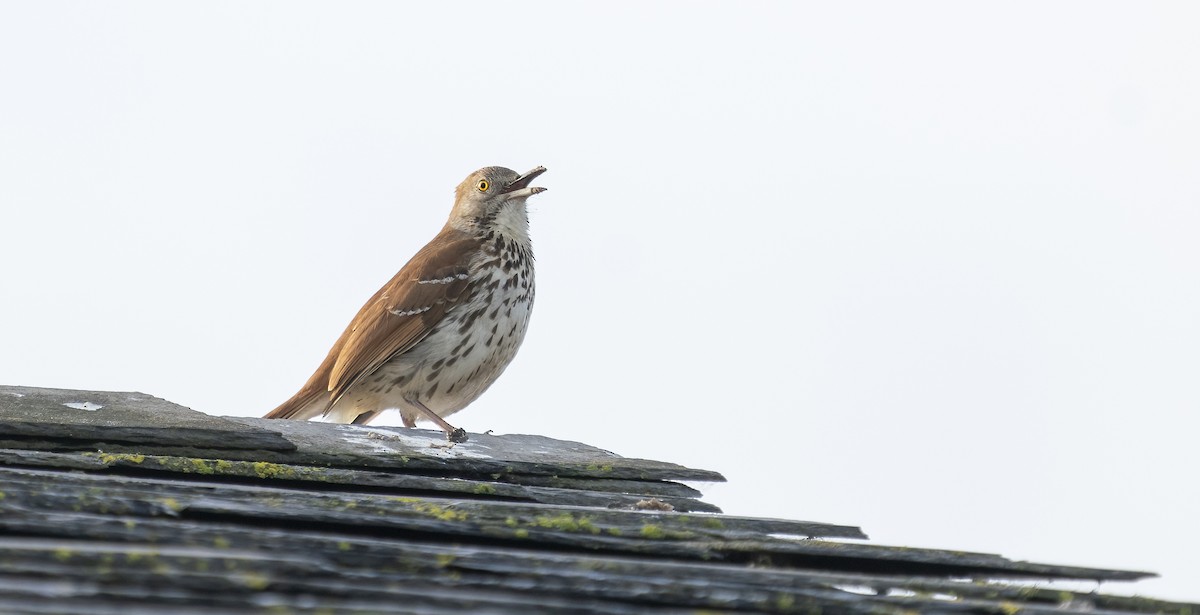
x=88, y=493
x=124, y=417
x=376, y=446
x=468, y=520
x=594, y=585
x=503, y=561
x=228, y=530
x=619, y=469
x=955, y=563
x=398, y=447
x=497, y=469
x=214, y=463
x=350, y=480
x=407, y=594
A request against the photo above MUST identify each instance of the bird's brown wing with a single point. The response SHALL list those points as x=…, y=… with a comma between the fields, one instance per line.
x=405, y=310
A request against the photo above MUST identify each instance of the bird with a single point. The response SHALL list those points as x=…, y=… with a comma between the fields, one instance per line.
x=443, y=329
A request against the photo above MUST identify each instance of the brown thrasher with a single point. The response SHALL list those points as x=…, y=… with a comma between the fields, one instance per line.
x=437, y=335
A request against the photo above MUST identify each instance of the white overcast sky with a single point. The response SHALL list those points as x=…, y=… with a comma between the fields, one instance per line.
x=928, y=268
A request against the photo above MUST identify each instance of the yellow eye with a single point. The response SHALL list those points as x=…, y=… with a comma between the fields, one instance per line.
x=483, y=185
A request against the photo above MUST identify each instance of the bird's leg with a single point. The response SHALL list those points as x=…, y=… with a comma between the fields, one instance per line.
x=453, y=434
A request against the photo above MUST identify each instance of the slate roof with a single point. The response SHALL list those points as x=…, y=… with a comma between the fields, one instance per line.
x=128, y=504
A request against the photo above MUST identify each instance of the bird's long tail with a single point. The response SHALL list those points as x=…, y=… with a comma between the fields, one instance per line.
x=310, y=401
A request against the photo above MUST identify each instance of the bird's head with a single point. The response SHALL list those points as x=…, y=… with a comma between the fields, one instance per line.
x=493, y=195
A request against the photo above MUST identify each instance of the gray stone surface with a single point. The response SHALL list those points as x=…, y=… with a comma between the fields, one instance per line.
x=136, y=418
x=603, y=494
x=415, y=449
x=339, y=519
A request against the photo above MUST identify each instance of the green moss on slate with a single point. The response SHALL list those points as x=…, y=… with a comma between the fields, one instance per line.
x=112, y=458
x=657, y=532
x=441, y=513
x=135, y=557
x=266, y=469
x=198, y=465
x=484, y=489
x=255, y=580
x=1010, y=608
x=654, y=532
x=203, y=466
x=565, y=522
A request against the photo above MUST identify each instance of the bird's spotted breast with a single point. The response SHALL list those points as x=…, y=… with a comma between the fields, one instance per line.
x=470, y=348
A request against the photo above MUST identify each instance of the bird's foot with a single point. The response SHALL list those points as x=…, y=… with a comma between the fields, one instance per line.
x=457, y=435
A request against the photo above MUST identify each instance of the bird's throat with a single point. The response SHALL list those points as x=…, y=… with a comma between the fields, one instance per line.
x=512, y=223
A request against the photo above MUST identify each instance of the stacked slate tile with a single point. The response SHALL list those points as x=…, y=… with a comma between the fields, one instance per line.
x=127, y=504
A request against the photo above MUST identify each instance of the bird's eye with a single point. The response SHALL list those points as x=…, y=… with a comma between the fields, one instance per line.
x=483, y=185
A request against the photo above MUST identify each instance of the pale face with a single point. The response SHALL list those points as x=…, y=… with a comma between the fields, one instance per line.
x=484, y=192
x=495, y=197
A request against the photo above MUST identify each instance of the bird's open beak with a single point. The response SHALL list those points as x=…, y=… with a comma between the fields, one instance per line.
x=520, y=186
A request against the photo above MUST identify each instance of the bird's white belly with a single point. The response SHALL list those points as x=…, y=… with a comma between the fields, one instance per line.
x=453, y=365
